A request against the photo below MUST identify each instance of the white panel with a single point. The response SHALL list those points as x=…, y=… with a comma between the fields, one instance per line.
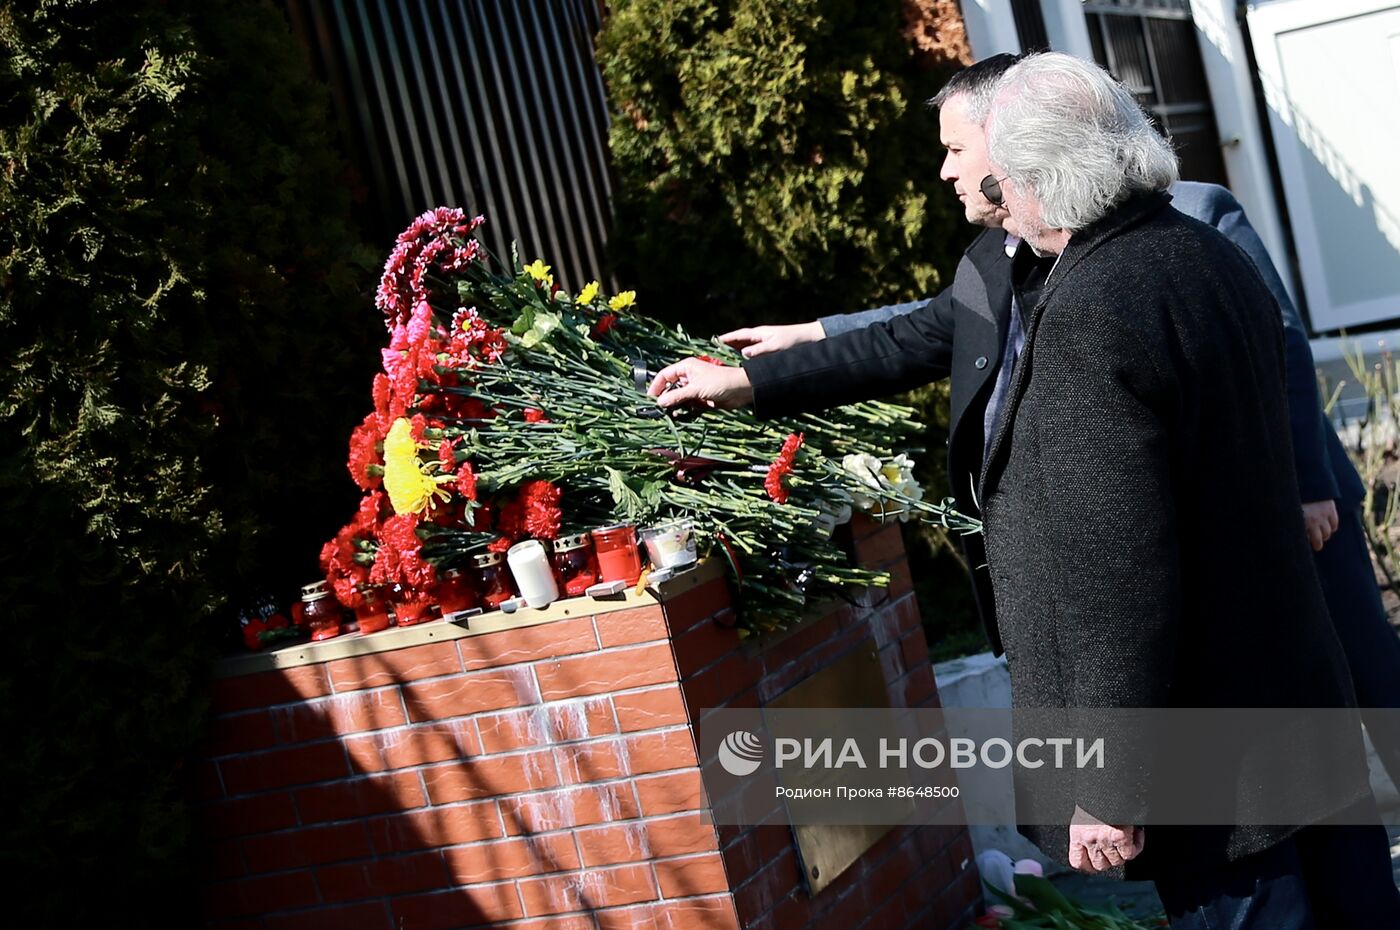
x=1329, y=74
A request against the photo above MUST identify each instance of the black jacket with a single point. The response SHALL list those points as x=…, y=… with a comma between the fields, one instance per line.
x=1139, y=498
x=957, y=335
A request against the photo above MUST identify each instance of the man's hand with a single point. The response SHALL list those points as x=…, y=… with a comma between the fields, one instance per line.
x=1320, y=520
x=691, y=381
x=760, y=340
x=1095, y=846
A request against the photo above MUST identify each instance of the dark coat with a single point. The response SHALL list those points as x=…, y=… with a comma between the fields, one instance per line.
x=1139, y=498
x=956, y=335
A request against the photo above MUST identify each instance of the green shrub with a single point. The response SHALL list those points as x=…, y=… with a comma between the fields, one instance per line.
x=775, y=162
x=178, y=304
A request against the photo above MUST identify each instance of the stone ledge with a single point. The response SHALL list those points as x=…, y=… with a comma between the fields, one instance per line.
x=348, y=646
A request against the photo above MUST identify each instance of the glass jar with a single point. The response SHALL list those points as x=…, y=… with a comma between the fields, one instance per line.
x=573, y=562
x=454, y=592
x=373, y=614
x=618, y=558
x=493, y=582
x=321, y=611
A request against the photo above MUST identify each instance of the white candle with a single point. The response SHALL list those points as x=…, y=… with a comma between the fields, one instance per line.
x=534, y=576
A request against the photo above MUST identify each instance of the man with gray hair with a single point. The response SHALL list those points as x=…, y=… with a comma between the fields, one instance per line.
x=1141, y=508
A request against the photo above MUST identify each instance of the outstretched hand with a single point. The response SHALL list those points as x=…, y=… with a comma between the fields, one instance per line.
x=692, y=381
x=752, y=341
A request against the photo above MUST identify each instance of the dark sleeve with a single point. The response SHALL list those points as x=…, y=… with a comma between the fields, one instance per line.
x=843, y=323
x=902, y=352
x=1103, y=436
x=1307, y=422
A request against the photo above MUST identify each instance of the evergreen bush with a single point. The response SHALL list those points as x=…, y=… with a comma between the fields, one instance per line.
x=181, y=311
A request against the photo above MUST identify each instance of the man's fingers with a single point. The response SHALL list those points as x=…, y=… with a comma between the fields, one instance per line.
x=666, y=377
x=1315, y=537
x=1112, y=854
x=683, y=394
x=1076, y=855
x=738, y=338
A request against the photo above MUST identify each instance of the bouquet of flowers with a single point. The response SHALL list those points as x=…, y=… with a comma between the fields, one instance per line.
x=509, y=408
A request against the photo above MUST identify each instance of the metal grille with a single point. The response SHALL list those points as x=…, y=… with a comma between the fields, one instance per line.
x=1156, y=57
x=1030, y=25
x=496, y=106
x=1135, y=7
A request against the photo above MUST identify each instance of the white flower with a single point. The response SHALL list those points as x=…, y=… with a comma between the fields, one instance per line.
x=894, y=478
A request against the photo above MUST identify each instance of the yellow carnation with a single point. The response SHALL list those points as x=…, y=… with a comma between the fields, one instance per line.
x=623, y=301
x=537, y=269
x=409, y=489
x=589, y=293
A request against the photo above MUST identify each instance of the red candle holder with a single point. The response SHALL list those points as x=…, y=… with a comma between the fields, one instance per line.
x=455, y=592
x=373, y=614
x=322, y=611
x=492, y=580
x=574, y=564
x=618, y=557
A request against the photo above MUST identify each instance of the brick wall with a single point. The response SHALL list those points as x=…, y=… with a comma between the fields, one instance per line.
x=544, y=776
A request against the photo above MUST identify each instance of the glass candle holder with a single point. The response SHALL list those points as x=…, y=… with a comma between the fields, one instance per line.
x=454, y=592
x=491, y=580
x=573, y=563
x=321, y=611
x=618, y=558
x=373, y=614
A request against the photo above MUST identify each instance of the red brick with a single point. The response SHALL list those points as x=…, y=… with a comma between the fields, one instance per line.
x=647, y=710
x=360, y=797
x=558, y=894
x=906, y=611
x=469, y=693
x=885, y=879
x=383, y=877
x=880, y=547
x=891, y=663
x=437, y=826
x=914, y=650
x=613, y=843
x=628, y=627
x=490, y=776
x=717, y=684
x=677, y=836
x=570, y=807
x=565, y=922
x=243, y=816
x=796, y=644
x=279, y=768
x=412, y=746
x=467, y=906
x=514, y=729
x=339, y=715
x=918, y=687
x=690, y=607
x=234, y=733
x=692, y=875
x=513, y=858
x=264, y=689
x=606, y=671
x=702, y=645
x=261, y=894
x=794, y=912
x=637, y=917
x=671, y=794
x=775, y=881
x=582, y=719
x=889, y=913
x=580, y=763
x=660, y=751
x=901, y=580
x=278, y=852
x=528, y=644
x=367, y=916
x=430, y=660
x=715, y=913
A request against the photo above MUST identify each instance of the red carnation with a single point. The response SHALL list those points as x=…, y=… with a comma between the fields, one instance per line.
x=540, y=501
x=604, y=325
x=364, y=453
x=535, y=415
x=466, y=481
x=781, y=468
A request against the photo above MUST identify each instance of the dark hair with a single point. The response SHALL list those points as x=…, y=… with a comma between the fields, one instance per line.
x=978, y=81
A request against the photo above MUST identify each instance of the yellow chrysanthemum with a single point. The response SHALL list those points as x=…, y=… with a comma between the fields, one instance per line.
x=537, y=269
x=409, y=489
x=623, y=301
x=589, y=293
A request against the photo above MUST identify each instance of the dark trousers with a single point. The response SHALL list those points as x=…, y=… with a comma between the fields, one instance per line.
x=1371, y=645
x=1322, y=877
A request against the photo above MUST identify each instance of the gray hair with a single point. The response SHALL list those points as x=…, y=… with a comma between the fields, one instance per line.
x=1067, y=131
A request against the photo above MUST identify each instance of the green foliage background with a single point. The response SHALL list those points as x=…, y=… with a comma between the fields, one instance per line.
x=187, y=344
x=775, y=162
